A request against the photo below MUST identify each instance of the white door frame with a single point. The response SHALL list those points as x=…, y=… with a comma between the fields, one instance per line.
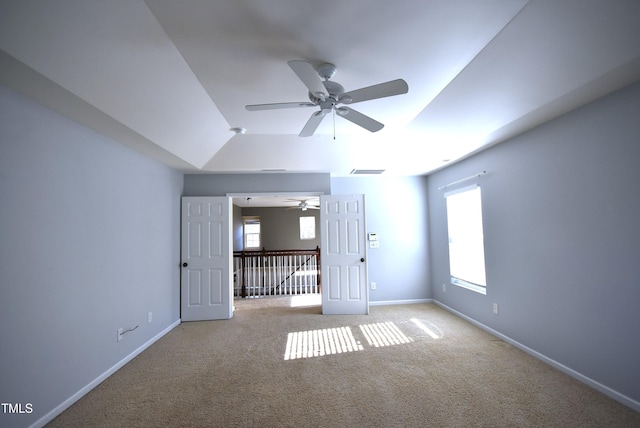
x=291, y=195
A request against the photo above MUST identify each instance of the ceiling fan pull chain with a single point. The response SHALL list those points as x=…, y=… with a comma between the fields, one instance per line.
x=334, y=122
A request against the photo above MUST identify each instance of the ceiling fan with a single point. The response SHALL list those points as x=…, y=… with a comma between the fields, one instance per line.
x=303, y=205
x=327, y=94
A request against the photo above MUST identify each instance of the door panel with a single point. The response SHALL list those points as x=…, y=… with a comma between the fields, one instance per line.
x=354, y=283
x=216, y=286
x=333, y=282
x=195, y=287
x=344, y=267
x=207, y=285
x=215, y=239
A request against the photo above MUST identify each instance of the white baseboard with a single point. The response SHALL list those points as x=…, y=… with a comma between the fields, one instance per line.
x=627, y=401
x=97, y=381
x=399, y=302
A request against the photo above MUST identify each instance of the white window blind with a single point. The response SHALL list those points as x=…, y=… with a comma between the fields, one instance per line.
x=466, y=238
x=307, y=227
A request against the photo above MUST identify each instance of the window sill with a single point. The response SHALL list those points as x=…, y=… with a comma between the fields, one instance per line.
x=469, y=286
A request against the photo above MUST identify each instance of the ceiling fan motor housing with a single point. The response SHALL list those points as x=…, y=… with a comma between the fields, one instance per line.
x=334, y=90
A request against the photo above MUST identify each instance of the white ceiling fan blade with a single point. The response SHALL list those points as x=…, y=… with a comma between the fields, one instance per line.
x=359, y=119
x=309, y=77
x=382, y=90
x=312, y=124
x=276, y=106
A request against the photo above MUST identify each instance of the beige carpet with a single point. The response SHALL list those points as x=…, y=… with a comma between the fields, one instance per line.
x=267, y=368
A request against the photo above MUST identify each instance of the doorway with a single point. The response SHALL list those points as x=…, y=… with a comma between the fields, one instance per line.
x=343, y=252
x=286, y=262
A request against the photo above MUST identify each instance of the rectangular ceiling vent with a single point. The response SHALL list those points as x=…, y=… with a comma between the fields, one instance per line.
x=366, y=171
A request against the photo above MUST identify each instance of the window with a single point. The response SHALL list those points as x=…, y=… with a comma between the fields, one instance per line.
x=307, y=227
x=251, y=231
x=466, y=239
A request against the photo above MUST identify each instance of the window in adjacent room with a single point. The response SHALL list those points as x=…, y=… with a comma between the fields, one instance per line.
x=466, y=238
x=307, y=227
x=251, y=232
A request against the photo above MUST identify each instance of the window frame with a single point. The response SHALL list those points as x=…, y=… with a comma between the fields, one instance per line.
x=477, y=248
x=308, y=227
x=245, y=235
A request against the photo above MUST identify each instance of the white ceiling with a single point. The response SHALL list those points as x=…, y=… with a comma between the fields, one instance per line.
x=171, y=78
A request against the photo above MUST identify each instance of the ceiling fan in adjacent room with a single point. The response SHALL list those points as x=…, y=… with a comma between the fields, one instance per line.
x=328, y=94
x=303, y=205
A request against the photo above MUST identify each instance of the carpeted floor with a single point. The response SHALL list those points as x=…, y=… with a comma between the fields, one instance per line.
x=280, y=363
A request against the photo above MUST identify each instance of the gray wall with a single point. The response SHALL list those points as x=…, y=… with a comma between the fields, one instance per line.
x=90, y=243
x=562, y=241
x=396, y=209
x=238, y=237
x=280, y=228
x=221, y=184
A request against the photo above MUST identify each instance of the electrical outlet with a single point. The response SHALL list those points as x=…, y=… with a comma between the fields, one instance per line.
x=119, y=334
x=444, y=287
x=495, y=308
x=150, y=317
x=373, y=285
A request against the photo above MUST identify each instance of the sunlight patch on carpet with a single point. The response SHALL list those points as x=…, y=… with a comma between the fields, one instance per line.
x=318, y=343
x=426, y=329
x=384, y=334
x=303, y=300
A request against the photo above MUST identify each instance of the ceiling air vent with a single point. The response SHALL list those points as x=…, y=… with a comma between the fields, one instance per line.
x=366, y=171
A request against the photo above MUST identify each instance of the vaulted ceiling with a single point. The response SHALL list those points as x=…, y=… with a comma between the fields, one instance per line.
x=171, y=78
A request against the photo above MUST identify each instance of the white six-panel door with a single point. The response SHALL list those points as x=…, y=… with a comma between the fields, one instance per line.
x=207, y=257
x=343, y=255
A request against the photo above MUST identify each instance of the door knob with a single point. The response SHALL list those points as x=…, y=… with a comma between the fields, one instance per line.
x=185, y=264
x=362, y=260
